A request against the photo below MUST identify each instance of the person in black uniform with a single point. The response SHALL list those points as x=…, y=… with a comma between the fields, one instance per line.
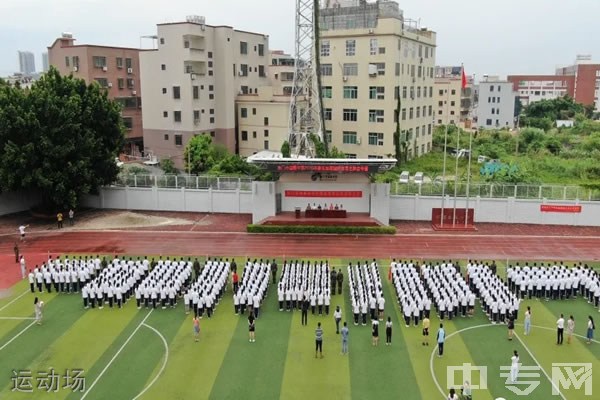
x=305, y=305
x=274, y=271
x=333, y=281
x=340, y=281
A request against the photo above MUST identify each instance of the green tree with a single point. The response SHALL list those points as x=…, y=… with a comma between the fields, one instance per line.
x=201, y=154
x=166, y=164
x=60, y=138
x=285, y=149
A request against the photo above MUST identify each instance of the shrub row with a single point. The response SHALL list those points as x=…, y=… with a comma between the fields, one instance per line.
x=353, y=230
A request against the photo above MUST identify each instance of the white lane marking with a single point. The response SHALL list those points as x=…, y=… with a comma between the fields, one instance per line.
x=17, y=335
x=162, y=368
x=15, y=299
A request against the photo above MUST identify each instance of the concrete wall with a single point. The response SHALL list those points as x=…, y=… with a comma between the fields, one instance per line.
x=509, y=210
x=12, y=202
x=163, y=199
x=263, y=201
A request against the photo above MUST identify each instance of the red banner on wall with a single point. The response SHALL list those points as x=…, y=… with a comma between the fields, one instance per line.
x=324, y=193
x=560, y=208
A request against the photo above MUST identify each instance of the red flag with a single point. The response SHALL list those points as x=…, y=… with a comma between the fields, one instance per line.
x=464, y=78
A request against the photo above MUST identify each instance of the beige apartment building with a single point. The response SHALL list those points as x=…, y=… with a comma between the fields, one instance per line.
x=370, y=55
x=116, y=69
x=263, y=117
x=447, y=99
x=191, y=82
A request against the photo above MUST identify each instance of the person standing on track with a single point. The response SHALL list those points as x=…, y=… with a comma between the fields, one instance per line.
x=23, y=266
x=22, y=231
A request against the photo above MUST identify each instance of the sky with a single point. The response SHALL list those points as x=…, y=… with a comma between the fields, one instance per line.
x=487, y=36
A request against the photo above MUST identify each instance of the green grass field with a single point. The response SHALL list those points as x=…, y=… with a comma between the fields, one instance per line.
x=151, y=354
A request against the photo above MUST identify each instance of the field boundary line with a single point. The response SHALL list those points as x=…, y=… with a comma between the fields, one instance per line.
x=552, y=329
x=13, y=300
x=162, y=368
x=539, y=365
x=116, y=355
x=17, y=335
x=17, y=318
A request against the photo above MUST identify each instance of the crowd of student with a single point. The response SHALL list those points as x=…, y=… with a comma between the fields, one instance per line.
x=412, y=296
x=554, y=281
x=208, y=288
x=253, y=287
x=448, y=290
x=305, y=282
x=64, y=276
x=498, y=302
x=366, y=292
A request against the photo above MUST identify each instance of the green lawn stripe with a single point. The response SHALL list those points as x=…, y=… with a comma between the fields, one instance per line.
x=13, y=292
x=34, y=346
x=196, y=362
x=22, y=307
x=139, y=357
x=382, y=371
x=255, y=370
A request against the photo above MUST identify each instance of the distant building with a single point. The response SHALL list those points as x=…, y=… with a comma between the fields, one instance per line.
x=45, y=61
x=115, y=69
x=263, y=117
x=191, y=82
x=447, y=99
x=26, y=62
x=373, y=59
x=581, y=81
x=496, y=105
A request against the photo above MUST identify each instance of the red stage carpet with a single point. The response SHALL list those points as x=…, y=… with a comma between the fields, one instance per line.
x=353, y=219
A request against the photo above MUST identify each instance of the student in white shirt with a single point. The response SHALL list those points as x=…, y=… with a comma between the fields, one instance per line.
x=514, y=367
x=337, y=315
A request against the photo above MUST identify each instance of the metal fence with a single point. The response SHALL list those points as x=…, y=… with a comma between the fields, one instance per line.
x=550, y=192
x=185, y=181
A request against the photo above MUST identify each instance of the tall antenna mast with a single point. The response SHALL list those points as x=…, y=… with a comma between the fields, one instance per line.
x=305, y=106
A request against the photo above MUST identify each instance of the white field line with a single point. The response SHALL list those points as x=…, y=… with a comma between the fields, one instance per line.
x=17, y=335
x=162, y=368
x=115, y=356
x=557, y=389
x=15, y=299
x=554, y=329
x=17, y=318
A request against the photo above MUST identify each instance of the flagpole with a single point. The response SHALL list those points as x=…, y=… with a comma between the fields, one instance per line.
x=456, y=175
x=469, y=176
x=444, y=167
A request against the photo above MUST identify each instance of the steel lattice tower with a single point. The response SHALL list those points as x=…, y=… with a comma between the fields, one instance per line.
x=305, y=106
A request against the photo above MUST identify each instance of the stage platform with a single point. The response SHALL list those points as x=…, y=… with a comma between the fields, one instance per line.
x=352, y=219
x=454, y=228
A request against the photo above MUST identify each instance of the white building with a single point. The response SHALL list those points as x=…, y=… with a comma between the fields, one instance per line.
x=191, y=82
x=496, y=106
x=26, y=62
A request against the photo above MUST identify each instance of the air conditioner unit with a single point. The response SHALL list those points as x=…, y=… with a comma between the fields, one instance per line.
x=357, y=140
x=193, y=76
x=130, y=70
x=241, y=73
x=105, y=69
x=345, y=78
x=371, y=31
x=133, y=92
x=75, y=68
x=109, y=84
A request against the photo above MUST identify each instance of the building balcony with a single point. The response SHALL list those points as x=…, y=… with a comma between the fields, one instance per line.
x=195, y=67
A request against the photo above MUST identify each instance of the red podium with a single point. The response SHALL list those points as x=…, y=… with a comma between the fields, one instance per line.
x=453, y=219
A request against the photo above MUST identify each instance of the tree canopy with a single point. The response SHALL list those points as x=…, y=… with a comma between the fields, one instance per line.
x=60, y=137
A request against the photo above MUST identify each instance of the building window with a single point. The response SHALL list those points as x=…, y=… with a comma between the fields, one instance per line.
x=243, y=69
x=196, y=116
x=177, y=116
x=210, y=54
x=376, y=116
x=327, y=114
x=418, y=112
x=176, y=92
x=382, y=50
x=350, y=69
x=404, y=114
x=178, y=140
x=266, y=145
x=103, y=82
x=350, y=114
x=244, y=113
x=130, y=83
x=350, y=47
x=404, y=91
x=266, y=133
x=195, y=92
x=326, y=92
x=327, y=137
x=410, y=113
x=261, y=71
x=266, y=121
x=373, y=47
x=254, y=135
x=164, y=90
x=430, y=111
x=326, y=70
x=121, y=83
x=244, y=136
x=453, y=92
x=350, y=92
x=163, y=67
x=349, y=137
x=99, y=62
x=243, y=48
x=128, y=123
x=375, y=139
x=67, y=61
x=380, y=68
x=397, y=69
x=128, y=63
x=165, y=114
x=261, y=50
x=166, y=137
x=212, y=120
x=350, y=155
x=376, y=92
x=325, y=48
x=488, y=122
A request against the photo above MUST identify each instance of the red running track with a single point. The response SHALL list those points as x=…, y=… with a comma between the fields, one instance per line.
x=434, y=246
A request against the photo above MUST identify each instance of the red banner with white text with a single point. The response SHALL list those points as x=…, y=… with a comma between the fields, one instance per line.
x=559, y=208
x=324, y=193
